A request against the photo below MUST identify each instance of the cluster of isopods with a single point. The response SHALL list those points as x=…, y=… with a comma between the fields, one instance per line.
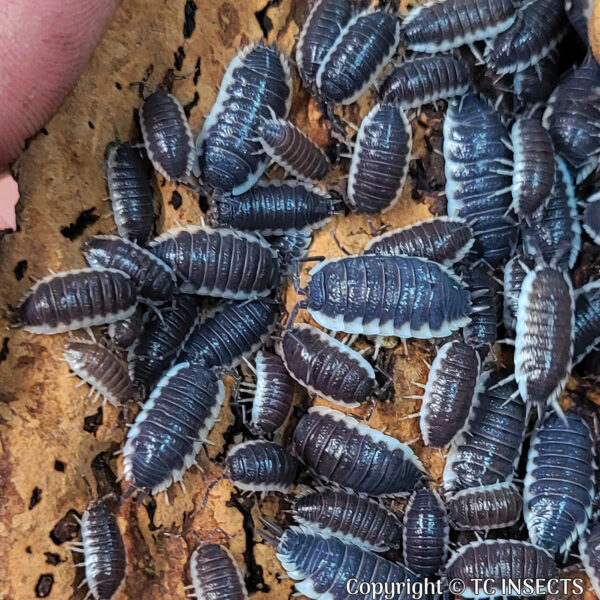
x=513, y=231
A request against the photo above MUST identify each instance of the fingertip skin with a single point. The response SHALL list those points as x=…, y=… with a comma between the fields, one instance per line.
x=44, y=47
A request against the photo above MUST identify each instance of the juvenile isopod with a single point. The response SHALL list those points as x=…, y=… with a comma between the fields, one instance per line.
x=589, y=551
x=482, y=330
x=124, y=333
x=290, y=247
x=579, y=13
x=534, y=84
x=74, y=299
x=591, y=218
x=515, y=271
x=587, y=320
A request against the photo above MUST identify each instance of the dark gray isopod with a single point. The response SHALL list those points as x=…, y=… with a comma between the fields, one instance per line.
x=124, y=333
x=325, y=366
x=234, y=330
x=154, y=280
x=536, y=31
x=485, y=293
x=293, y=150
x=363, y=48
x=449, y=393
x=339, y=449
x=426, y=532
x=544, y=340
x=380, y=160
x=587, y=320
x=503, y=562
x=261, y=466
x=445, y=240
x=534, y=84
x=589, y=551
x=579, y=13
x=387, y=295
x=591, y=218
x=290, y=247
x=483, y=508
x=222, y=263
x=559, y=484
x=426, y=79
x=167, y=135
x=101, y=369
x=515, y=271
x=350, y=517
x=440, y=25
x=130, y=192
x=172, y=427
x=75, y=299
x=215, y=574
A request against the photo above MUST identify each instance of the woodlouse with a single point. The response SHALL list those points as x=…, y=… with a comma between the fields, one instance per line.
x=425, y=536
x=350, y=517
x=589, y=551
x=426, y=79
x=483, y=508
x=130, y=192
x=325, y=366
x=591, y=218
x=387, y=295
x=124, y=333
x=261, y=466
x=380, y=160
x=359, y=54
x=515, y=271
x=291, y=246
x=101, y=369
x=167, y=135
x=234, y=330
x=172, y=427
x=222, y=263
x=256, y=83
x=482, y=330
x=579, y=13
x=154, y=280
x=274, y=208
x=535, y=84
x=74, y=299
x=339, y=449
x=587, y=320
x=559, y=484
x=445, y=240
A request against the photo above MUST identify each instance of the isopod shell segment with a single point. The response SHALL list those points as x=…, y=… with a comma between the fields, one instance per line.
x=167, y=135
x=222, y=263
x=446, y=240
x=591, y=219
x=216, y=574
x=587, y=320
x=325, y=366
x=172, y=426
x=74, y=299
x=380, y=160
x=387, y=295
x=339, y=449
x=589, y=551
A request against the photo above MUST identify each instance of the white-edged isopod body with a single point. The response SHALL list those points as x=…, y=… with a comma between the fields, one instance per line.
x=101, y=369
x=449, y=393
x=482, y=330
x=425, y=79
x=440, y=25
x=261, y=466
x=501, y=563
x=387, y=295
x=130, y=192
x=167, y=135
x=559, y=484
x=215, y=574
x=222, y=263
x=325, y=366
x=545, y=331
x=256, y=84
x=293, y=150
x=487, y=450
x=589, y=551
x=173, y=425
x=359, y=54
x=536, y=31
x=232, y=331
x=479, y=176
x=348, y=516
x=154, y=279
x=340, y=450
x=425, y=536
x=105, y=559
x=274, y=208
x=515, y=271
x=446, y=240
x=591, y=218
x=380, y=160
x=587, y=320
x=124, y=333
x=484, y=508
x=75, y=299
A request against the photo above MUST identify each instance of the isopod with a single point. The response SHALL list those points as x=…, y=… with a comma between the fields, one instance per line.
x=124, y=333
x=380, y=160
x=589, y=551
x=482, y=330
x=534, y=84
x=446, y=240
x=74, y=299
x=587, y=320
x=579, y=13
x=515, y=271
x=325, y=366
x=290, y=247
x=591, y=218
x=339, y=449
x=172, y=427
